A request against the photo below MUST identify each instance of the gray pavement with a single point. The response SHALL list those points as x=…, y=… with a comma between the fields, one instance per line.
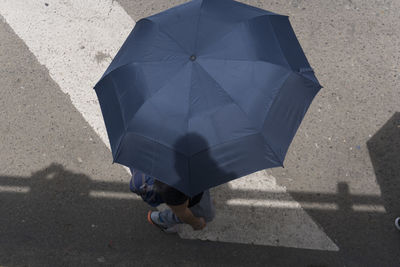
x=345, y=152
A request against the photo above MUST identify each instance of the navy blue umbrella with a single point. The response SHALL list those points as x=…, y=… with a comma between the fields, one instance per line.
x=206, y=92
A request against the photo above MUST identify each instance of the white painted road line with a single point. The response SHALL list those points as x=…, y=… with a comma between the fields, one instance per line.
x=369, y=208
x=305, y=205
x=76, y=41
x=281, y=204
x=14, y=189
x=115, y=195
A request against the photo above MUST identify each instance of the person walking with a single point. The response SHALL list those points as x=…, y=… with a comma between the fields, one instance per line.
x=196, y=211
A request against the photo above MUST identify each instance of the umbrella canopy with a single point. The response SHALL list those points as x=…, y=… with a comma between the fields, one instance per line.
x=206, y=92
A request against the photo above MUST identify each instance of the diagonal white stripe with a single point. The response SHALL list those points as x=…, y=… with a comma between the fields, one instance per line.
x=277, y=222
x=75, y=40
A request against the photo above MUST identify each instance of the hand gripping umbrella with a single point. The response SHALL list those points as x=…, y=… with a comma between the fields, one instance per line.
x=206, y=92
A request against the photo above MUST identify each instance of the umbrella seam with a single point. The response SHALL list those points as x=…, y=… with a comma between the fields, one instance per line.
x=263, y=61
x=208, y=148
x=119, y=102
x=247, y=60
x=273, y=151
x=223, y=143
x=159, y=132
x=158, y=142
x=132, y=62
x=119, y=148
x=280, y=48
x=189, y=106
x=273, y=102
x=170, y=37
x=233, y=101
x=123, y=120
x=241, y=22
x=197, y=28
x=299, y=71
x=208, y=104
x=307, y=79
x=279, y=43
x=123, y=116
x=154, y=93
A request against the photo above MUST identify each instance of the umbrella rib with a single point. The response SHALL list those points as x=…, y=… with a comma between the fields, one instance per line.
x=123, y=120
x=249, y=60
x=274, y=33
x=158, y=142
x=130, y=120
x=154, y=93
x=273, y=102
x=273, y=151
x=228, y=32
x=171, y=38
x=132, y=62
x=126, y=125
x=190, y=94
x=277, y=40
x=233, y=101
x=197, y=27
x=267, y=62
x=220, y=144
x=235, y=24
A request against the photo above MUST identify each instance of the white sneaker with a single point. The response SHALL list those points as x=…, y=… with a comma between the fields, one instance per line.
x=154, y=218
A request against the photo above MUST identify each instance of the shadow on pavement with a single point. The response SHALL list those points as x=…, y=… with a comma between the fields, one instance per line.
x=384, y=150
x=53, y=218
x=366, y=237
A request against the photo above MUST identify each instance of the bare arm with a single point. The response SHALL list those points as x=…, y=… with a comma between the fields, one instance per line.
x=186, y=216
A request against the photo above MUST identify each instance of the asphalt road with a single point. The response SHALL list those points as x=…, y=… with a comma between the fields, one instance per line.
x=345, y=153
